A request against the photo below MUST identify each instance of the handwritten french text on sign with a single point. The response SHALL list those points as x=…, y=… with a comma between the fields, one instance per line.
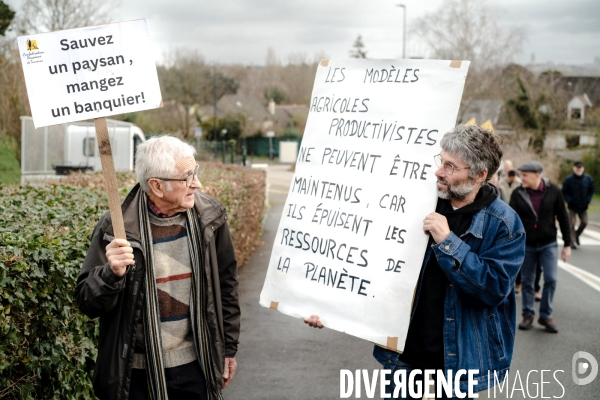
x=350, y=242
x=85, y=73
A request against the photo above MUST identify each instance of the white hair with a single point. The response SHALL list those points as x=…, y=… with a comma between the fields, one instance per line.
x=156, y=158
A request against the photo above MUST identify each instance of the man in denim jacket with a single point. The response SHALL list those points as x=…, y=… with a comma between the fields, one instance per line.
x=464, y=311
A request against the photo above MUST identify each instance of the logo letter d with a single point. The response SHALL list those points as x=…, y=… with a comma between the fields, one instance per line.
x=583, y=367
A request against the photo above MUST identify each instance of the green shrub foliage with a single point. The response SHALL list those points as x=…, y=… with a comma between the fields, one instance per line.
x=47, y=346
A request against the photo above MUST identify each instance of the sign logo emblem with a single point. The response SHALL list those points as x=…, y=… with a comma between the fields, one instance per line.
x=580, y=367
x=31, y=45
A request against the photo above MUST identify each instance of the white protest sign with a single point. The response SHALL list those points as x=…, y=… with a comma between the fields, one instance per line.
x=86, y=73
x=350, y=243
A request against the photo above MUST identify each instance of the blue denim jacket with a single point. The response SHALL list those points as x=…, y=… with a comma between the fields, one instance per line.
x=480, y=304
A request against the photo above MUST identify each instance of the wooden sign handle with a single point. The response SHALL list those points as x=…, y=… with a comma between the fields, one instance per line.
x=110, y=178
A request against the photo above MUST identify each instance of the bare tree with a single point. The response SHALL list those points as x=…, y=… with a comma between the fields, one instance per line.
x=38, y=16
x=468, y=30
x=191, y=83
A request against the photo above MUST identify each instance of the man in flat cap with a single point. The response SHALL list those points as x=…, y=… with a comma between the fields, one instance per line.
x=539, y=203
x=578, y=189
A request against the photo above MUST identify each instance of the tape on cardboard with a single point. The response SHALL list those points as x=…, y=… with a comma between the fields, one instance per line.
x=324, y=62
x=274, y=305
x=455, y=63
x=392, y=343
x=388, y=348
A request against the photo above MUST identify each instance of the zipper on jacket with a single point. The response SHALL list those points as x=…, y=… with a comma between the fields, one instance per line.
x=131, y=277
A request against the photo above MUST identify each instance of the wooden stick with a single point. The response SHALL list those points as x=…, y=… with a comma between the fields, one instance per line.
x=110, y=178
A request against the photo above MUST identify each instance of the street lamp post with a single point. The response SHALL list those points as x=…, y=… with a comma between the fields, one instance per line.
x=404, y=34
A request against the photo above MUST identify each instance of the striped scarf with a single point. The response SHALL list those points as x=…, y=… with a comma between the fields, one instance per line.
x=154, y=358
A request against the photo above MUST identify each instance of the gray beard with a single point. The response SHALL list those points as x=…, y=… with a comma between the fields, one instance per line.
x=457, y=192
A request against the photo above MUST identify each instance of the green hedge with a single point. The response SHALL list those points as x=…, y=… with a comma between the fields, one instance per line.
x=10, y=169
x=48, y=347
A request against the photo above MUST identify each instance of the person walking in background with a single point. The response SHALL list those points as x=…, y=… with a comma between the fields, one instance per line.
x=539, y=203
x=578, y=189
x=507, y=165
x=494, y=182
x=509, y=183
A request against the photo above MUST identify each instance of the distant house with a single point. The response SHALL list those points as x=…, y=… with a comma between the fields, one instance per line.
x=577, y=106
x=582, y=94
x=482, y=110
x=254, y=113
x=257, y=117
x=289, y=115
x=578, y=95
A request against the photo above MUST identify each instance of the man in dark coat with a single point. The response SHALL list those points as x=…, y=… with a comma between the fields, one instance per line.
x=539, y=204
x=167, y=296
x=578, y=189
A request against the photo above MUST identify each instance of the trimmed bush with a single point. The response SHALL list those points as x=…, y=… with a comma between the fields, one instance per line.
x=48, y=347
x=242, y=191
x=46, y=344
x=10, y=169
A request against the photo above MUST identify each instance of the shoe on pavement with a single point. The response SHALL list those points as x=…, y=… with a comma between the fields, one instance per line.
x=517, y=287
x=527, y=323
x=537, y=296
x=574, y=246
x=577, y=240
x=548, y=323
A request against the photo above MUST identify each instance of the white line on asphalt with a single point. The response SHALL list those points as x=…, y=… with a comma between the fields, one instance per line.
x=581, y=274
x=592, y=234
x=587, y=238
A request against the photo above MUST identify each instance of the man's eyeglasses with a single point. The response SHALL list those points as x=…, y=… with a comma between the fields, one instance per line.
x=448, y=167
x=188, y=179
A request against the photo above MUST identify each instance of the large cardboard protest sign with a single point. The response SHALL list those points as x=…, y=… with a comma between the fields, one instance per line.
x=92, y=72
x=350, y=243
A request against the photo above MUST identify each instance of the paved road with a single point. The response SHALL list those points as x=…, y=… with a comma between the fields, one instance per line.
x=281, y=358
x=577, y=315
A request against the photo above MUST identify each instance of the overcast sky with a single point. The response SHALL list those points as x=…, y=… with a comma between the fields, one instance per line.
x=241, y=31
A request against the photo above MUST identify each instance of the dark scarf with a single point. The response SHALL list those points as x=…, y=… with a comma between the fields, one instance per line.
x=154, y=359
x=459, y=220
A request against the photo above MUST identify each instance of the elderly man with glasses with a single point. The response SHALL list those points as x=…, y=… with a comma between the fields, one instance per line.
x=464, y=309
x=167, y=296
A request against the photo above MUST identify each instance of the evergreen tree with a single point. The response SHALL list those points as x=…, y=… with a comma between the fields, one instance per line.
x=358, y=50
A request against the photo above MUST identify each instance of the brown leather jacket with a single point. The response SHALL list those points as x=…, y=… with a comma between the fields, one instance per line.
x=119, y=301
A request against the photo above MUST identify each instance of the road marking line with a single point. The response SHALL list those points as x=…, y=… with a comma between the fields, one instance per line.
x=592, y=234
x=589, y=278
x=586, y=238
